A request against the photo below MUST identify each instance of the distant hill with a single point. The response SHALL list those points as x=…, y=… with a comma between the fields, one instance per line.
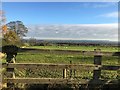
x=80, y=42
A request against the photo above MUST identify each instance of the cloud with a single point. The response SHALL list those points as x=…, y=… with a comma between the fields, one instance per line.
x=104, y=5
x=110, y=15
x=100, y=4
x=74, y=31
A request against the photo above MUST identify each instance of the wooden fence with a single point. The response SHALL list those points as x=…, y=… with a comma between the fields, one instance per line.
x=96, y=67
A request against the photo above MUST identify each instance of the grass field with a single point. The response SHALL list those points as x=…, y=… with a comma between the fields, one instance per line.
x=80, y=48
x=53, y=57
x=62, y=58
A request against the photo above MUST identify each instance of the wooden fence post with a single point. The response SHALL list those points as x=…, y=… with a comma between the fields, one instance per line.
x=93, y=84
x=74, y=72
x=97, y=61
x=11, y=52
x=65, y=73
x=10, y=73
x=70, y=70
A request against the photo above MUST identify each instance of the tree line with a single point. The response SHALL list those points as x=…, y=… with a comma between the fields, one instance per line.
x=37, y=42
x=12, y=32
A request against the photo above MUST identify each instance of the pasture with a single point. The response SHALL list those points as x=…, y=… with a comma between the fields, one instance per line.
x=53, y=55
x=63, y=55
x=78, y=48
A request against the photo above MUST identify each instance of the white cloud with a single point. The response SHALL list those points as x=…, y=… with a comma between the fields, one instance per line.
x=110, y=15
x=100, y=5
x=75, y=31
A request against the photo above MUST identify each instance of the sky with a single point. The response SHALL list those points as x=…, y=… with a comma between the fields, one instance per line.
x=66, y=20
x=61, y=12
x=60, y=0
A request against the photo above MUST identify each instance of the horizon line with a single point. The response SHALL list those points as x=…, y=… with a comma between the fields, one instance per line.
x=38, y=38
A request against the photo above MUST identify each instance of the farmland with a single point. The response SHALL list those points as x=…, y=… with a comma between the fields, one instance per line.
x=63, y=57
x=52, y=56
x=78, y=48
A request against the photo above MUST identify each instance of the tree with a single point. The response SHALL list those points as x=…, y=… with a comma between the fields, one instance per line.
x=3, y=27
x=12, y=32
x=18, y=27
x=32, y=41
x=2, y=17
x=10, y=38
x=11, y=35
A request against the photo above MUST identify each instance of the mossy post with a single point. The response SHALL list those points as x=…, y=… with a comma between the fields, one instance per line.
x=70, y=70
x=95, y=83
x=97, y=61
x=11, y=52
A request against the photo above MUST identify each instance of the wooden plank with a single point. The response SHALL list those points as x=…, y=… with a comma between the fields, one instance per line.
x=31, y=65
x=56, y=81
x=110, y=67
x=45, y=81
x=50, y=65
x=61, y=66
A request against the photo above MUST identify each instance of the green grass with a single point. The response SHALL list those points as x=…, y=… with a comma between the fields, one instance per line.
x=53, y=57
x=81, y=48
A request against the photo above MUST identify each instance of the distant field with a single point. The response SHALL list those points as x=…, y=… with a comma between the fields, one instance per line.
x=81, y=48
